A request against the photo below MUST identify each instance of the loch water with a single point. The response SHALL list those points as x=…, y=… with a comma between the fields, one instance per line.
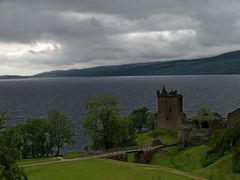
x=25, y=98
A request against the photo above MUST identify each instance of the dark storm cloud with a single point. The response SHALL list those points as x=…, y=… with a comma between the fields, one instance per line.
x=62, y=34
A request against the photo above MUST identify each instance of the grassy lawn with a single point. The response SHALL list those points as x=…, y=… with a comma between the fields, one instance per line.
x=98, y=169
x=37, y=160
x=189, y=160
x=72, y=155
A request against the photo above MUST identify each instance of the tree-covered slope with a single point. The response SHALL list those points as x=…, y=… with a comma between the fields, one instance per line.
x=228, y=63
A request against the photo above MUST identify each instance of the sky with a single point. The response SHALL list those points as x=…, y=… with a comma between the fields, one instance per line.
x=45, y=35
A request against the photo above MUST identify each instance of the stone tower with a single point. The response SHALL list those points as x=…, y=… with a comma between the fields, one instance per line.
x=170, y=113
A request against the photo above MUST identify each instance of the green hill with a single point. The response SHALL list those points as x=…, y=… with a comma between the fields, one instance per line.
x=228, y=63
x=191, y=159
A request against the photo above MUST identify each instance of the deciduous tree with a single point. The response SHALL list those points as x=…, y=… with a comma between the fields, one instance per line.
x=9, y=169
x=104, y=124
x=60, y=129
x=141, y=119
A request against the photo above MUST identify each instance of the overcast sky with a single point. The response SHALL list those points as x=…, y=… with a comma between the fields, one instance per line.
x=44, y=35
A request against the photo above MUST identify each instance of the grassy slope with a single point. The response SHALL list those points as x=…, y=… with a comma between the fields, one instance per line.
x=97, y=169
x=165, y=156
x=189, y=159
x=145, y=139
x=222, y=169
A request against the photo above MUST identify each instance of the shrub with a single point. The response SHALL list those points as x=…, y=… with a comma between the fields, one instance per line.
x=210, y=159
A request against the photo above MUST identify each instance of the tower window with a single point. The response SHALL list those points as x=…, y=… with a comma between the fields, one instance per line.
x=170, y=109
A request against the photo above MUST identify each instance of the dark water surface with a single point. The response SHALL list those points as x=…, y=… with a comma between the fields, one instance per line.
x=33, y=97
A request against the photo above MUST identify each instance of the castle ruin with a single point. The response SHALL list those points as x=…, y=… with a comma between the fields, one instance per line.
x=170, y=116
x=170, y=113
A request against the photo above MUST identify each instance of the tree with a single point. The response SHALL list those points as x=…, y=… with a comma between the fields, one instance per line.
x=8, y=161
x=205, y=114
x=3, y=118
x=35, y=134
x=61, y=130
x=103, y=123
x=141, y=119
x=128, y=134
x=9, y=170
x=13, y=136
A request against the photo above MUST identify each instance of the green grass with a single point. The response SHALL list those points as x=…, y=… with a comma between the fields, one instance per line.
x=188, y=160
x=131, y=157
x=222, y=169
x=37, y=160
x=164, y=157
x=191, y=160
x=72, y=155
x=145, y=139
x=100, y=169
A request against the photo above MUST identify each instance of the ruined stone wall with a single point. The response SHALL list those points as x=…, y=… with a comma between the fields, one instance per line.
x=194, y=133
x=184, y=136
x=233, y=118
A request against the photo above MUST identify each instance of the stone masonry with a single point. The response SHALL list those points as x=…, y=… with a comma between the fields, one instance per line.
x=233, y=118
x=170, y=113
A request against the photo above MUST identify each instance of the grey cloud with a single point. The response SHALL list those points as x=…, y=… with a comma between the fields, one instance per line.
x=105, y=32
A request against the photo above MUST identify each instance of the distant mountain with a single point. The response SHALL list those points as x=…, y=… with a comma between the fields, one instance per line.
x=228, y=63
x=12, y=77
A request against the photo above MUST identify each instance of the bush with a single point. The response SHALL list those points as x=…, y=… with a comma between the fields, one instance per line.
x=210, y=159
x=227, y=143
x=236, y=162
